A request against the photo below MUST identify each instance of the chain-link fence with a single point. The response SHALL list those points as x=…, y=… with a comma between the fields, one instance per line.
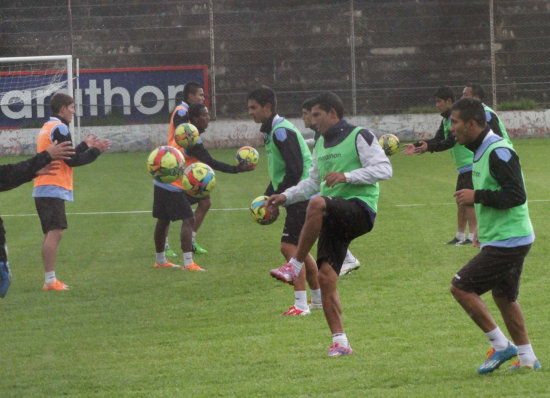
x=380, y=56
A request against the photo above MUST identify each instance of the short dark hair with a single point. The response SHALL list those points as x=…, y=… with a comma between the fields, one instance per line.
x=470, y=109
x=190, y=88
x=59, y=100
x=194, y=110
x=308, y=104
x=444, y=93
x=477, y=90
x=264, y=95
x=327, y=101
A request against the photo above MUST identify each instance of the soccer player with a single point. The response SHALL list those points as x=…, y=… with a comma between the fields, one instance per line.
x=289, y=160
x=351, y=263
x=200, y=118
x=193, y=93
x=504, y=232
x=462, y=158
x=170, y=201
x=348, y=163
x=52, y=191
x=472, y=90
x=13, y=175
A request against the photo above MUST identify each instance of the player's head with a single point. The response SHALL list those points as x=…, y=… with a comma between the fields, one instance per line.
x=262, y=104
x=467, y=119
x=444, y=98
x=199, y=116
x=306, y=112
x=327, y=110
x=62, y=105
x=193, y=93
x=472, y=90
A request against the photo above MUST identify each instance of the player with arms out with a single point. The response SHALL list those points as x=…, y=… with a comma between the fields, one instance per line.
x=347, y=165
x=52, y=191
x=462, y=158
x=288, y=160
x=13, y=175
x=200, y=118
x=505, y=234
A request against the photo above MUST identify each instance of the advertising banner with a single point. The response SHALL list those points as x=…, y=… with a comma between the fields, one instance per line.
x=133, y=95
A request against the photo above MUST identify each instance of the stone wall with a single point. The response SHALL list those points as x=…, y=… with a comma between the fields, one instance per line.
x=236, y=133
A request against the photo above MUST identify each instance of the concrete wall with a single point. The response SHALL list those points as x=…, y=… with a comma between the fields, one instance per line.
x=236, y=133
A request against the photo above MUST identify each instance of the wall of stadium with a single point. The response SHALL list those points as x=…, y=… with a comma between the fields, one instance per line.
x=235, y=133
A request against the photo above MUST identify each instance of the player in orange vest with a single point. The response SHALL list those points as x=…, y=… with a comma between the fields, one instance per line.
x=13, y=175
x=169, y=201
x=51, y=191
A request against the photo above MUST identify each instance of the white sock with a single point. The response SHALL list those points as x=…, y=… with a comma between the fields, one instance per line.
x=296, y=265
x=461, y=235
x=526, y=355
x=193, y=235
x=316, y=296
x=187, y=258
x=166, y=244
x=498, y=340
x=471, y=236
x=50, y=277
x=161, y=258
x=341, y=339
x=300, y=299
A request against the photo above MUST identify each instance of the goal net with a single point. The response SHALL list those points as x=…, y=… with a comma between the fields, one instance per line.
x=26, y=83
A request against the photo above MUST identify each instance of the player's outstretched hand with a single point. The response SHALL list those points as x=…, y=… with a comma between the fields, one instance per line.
x=48, y=169
x=245, y=167
x=409, y=149
x=61, y=151
x=102, y=145
x=274, y=201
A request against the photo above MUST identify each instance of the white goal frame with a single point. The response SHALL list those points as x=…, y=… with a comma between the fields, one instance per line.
x=69, y=68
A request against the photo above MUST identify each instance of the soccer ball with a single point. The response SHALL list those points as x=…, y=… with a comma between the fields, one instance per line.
x=198, y=180
x=389, y=143
x=259, y=213
x=186, y=135
x=247, y=155
x=165, y=164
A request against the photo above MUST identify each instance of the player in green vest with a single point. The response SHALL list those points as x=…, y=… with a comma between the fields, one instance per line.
x=351, y=263
x=348, y=163
x=288, y=160
x=462, y=159
x=505, y=235
x=472, y=90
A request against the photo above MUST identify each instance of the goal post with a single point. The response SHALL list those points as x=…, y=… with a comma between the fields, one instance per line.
x=25, y=82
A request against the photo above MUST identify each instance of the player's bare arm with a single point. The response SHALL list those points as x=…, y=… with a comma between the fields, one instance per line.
x=465, y=197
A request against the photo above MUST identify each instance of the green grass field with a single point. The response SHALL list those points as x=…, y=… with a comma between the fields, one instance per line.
x=127, y=329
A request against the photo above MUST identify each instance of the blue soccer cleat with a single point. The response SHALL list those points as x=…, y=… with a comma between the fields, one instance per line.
x=497, y=358
x=5, y=278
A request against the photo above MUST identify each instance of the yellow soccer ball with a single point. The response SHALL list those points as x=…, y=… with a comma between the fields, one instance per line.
x=186, y=135
x=198, y=180
x=389, y=143
x=165, y=164
x=247, y=155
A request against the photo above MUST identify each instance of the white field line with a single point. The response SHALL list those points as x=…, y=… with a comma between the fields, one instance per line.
x=91, y=213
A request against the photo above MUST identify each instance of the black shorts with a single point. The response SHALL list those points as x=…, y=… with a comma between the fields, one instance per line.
x=52, y=213
x=168, y=205
x=494, y=268
x=464, y=181
x=344, y=221
x=294, y=221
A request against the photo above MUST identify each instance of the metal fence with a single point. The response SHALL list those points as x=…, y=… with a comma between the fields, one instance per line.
x=380, y=56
